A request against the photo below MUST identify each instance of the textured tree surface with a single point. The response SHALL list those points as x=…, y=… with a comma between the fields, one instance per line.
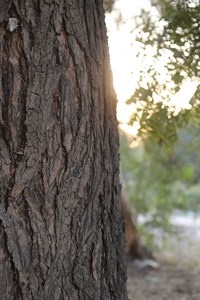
x=61, y=234
x=134, y=248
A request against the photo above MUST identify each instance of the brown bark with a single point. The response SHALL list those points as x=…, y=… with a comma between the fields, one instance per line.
x=133, y=245
x=61, y=233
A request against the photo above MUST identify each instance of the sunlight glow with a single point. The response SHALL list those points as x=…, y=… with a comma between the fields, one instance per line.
x=126, y=66
x=182, y=98
x=124, y=63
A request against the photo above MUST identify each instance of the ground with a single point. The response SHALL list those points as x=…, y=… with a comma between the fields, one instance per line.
x=178, y=274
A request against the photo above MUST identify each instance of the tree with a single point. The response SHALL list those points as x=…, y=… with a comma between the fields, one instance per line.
x=134, y=249
x=171, y=31
x=61, y=232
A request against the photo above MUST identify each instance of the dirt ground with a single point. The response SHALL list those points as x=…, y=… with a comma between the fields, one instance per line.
x=178, y=274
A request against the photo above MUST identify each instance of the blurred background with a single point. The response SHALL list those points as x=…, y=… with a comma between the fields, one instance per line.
x=155, y=59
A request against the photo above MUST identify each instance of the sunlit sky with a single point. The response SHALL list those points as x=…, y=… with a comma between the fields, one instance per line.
x=126, y=66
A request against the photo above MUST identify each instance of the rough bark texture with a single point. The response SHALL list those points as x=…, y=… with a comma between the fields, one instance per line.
x=61, y=234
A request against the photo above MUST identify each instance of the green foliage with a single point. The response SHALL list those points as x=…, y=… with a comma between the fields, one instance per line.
x=173, y=33
x=160, y=180
x=108, y=5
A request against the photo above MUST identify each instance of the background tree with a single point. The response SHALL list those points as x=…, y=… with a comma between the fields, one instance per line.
x=61, y=234
x=171, y=31
x=168, y=36
x=161, y=181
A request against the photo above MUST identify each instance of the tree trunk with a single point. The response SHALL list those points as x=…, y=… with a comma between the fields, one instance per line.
x=61, y=234
x=134, y=248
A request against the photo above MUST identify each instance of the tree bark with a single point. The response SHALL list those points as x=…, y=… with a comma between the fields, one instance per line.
x=134, y=248
x=61, y=234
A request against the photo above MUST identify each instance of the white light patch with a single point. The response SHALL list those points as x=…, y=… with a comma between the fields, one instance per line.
x=181, y=100
x=12, y=24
